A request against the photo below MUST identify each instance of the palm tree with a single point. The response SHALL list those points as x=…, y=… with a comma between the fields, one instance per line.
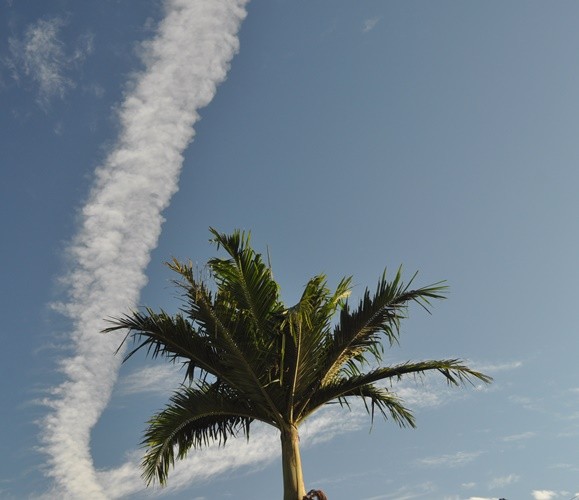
x=250, y=358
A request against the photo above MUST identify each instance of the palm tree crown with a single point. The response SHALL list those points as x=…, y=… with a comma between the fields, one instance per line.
x=249, y=357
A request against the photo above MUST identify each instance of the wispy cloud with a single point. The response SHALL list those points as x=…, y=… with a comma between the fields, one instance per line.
x=493, y=368
x=451, y=460
x=421, y=396
x=157, y=379
x=184, y=62
x=519, y=437
x=370, y=24
x=40, y=56
x=565, y=466
x=531, y=404
x=501, y=482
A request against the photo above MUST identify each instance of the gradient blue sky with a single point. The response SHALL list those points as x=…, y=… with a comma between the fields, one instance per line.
x=348, y=137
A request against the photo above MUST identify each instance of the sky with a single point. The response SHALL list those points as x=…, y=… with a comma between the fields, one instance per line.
x=348, y=137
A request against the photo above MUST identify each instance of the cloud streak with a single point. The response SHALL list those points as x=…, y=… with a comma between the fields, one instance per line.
x=451, y=460
x=121, y=222
x=501, y=482
x=519, y=437
x=370, y=24
x=157, y=379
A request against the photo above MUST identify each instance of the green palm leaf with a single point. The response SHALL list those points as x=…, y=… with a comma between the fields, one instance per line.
x=194, y=418
x=223, y=324
x=358, y=334
x=247, y=281
x=172, y=337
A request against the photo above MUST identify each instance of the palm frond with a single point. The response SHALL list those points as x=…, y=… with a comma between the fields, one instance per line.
x=172, y=337
x=194, y=418
x=306, y=329
x=224, y=325
x=358, y=333
x=388, y=404
x=453, y=370
x=248, y=281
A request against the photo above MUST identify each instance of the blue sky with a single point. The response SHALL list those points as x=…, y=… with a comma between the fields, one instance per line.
x=348, y=137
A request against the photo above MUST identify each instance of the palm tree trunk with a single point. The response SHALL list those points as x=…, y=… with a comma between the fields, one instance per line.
x=293, y=479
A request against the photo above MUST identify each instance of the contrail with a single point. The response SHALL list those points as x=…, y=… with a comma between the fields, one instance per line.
x=121, y=222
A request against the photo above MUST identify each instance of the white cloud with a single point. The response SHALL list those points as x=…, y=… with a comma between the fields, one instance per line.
x=544, y=494
x=565, y=466
x=94, y=89
x=519, y=437
x=549, y=494
x=528, y=403
x=501, y=482
x=451, y=460
x=158, y=379
x=419, y=396
x=498, y=367
x=370, y=24
x=188, y=57
x=41, y=57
